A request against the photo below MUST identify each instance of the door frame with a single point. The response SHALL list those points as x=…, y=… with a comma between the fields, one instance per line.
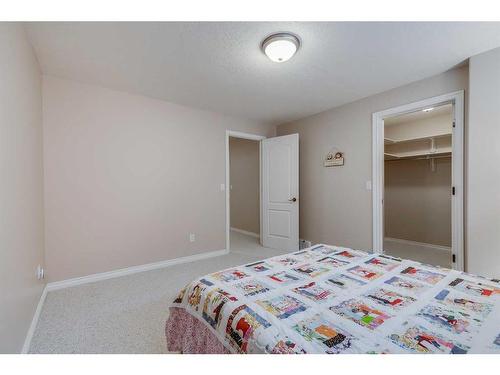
x=457, y=175
x=252, y=137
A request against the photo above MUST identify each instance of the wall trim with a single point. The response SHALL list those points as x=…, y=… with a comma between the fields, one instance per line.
x=423, y=244
x=131, y=270
x=246, y=232
x=457, y=200
x=34, y=322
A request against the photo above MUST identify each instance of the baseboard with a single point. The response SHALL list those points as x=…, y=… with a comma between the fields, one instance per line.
x=34, y=322
x=422, y=244
x=256, y=235
x=131, y=270
x=105, y=276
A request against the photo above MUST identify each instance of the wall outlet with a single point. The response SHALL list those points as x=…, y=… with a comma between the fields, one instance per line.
x=192, y=237
x=40, y=272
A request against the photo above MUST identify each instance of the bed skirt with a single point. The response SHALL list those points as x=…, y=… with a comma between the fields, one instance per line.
x=188, y=335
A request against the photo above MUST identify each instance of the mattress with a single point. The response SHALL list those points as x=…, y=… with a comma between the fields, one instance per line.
x=328, y=299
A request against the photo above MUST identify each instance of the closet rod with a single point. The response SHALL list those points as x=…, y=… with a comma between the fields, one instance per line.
x=421, y=158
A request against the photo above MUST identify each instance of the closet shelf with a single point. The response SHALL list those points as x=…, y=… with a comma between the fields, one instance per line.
x=388, y=140
x=415, y=154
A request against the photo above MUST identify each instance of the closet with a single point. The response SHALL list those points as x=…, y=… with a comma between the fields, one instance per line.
x=417, y=185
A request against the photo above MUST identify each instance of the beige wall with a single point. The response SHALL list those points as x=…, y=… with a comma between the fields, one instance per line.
x=420, y=128
x=417, y=201
x=483, y=195
x=21, y=186
x=127, y=178
x=245, y=174
x=335, y=206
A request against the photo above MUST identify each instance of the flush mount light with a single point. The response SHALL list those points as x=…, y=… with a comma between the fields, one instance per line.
x=428, y=109
x=280, y=47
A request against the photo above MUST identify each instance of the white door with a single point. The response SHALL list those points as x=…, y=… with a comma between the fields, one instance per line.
x=280, y=192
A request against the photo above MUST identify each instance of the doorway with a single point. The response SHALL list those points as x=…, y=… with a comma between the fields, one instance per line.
x=277, y=225
x=244, y=191
x=418, y=181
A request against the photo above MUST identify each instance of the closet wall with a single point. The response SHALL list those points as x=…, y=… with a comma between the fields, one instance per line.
x=417, y=202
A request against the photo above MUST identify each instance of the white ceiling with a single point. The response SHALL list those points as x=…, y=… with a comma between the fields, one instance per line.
x=219, y=66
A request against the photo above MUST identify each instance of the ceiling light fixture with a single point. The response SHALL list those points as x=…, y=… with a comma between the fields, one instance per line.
x=428, y=109
x=280, y=47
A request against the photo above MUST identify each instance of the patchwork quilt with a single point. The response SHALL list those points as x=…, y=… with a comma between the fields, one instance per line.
x=327, y=299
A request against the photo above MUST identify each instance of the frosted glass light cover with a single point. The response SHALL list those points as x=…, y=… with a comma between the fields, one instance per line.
x=280, y=47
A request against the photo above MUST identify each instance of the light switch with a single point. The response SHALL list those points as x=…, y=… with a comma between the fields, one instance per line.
x=368, y=185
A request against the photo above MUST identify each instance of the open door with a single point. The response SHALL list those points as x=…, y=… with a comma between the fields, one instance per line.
x=280, y=192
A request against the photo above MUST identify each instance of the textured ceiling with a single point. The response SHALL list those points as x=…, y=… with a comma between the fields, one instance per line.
x=218, y=66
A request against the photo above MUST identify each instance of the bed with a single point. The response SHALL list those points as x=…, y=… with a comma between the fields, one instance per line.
x=328, y=299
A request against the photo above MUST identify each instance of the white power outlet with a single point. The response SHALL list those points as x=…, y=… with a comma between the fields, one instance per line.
x=192, y=237
x=40, y=273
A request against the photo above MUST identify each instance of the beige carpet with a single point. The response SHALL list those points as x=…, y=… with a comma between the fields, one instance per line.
x=127, y=314
x=421, y=254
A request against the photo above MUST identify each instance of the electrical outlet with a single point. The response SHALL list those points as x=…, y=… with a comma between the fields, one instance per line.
x=40, y=273
x=192, y=237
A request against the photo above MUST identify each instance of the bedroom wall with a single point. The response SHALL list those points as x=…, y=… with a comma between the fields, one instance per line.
x=417, y=201
x=128, y=178
x=483, y=237
x=335, y=204
x=245, y=175
x=21, y=186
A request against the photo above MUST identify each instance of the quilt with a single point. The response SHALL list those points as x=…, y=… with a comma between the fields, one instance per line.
x=331, y=300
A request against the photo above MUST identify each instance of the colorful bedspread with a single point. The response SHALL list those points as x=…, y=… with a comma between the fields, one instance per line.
x=327, y=299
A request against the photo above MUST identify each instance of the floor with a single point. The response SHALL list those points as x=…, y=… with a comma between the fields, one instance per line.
x=419, y=253
x=127, y=314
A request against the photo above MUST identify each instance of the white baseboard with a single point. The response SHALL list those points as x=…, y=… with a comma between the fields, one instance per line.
x=34, y=322
x=256, y=235
x=105, y=276
x=131, y=270
x=422, y=244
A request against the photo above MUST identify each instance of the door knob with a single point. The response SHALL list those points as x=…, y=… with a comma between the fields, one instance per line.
x=293, y=199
